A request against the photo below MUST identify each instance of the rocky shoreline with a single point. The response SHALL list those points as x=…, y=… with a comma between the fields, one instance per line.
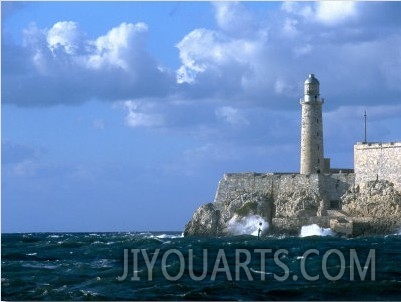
x=288, y=202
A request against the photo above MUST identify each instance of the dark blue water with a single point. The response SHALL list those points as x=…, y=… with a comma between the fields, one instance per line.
x=83, y=266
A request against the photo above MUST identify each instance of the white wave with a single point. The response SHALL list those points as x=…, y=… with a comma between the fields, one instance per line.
x=246, y=225
x=315, y=230
x=143, y=233
x=163, y=236
x=260, y=272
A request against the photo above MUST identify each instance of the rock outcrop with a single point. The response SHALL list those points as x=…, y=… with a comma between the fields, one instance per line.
x=206, y=221
x=213, y=219
x=375, y=199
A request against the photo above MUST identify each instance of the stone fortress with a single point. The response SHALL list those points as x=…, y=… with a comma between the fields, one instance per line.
x=361, y=201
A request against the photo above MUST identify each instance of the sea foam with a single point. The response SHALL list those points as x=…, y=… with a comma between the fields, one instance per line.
x=246, y=225
x=315, y=230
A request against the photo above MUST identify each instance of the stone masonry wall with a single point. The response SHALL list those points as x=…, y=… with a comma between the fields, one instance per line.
x=312, y=159
x=270, y=183
x=337, y=184
x=312, y=193
x=378, y=161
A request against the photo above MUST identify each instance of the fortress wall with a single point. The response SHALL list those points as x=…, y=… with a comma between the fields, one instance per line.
x=328, y=186
x=233, y=184
x=378, y=160
x=337, y=184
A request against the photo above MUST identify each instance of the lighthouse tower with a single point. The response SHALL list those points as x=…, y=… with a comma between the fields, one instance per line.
x=312, y=156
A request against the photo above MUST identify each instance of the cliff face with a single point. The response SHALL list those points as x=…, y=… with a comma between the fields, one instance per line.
x=289, y=201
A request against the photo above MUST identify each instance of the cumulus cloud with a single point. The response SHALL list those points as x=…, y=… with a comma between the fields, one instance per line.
x=61, y=66
x=232, y=17
x=64, y=35
x=119, y=47
x=324, y=12
x=248, y=61
x=207, y=50
x=268, y=67
x=334, y=12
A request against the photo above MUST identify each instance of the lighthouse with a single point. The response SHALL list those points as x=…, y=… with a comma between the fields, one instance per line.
x=312, y=156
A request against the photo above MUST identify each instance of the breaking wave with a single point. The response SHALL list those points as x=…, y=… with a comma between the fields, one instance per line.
x=315, y=230
x=169, y=236
x=246, y=225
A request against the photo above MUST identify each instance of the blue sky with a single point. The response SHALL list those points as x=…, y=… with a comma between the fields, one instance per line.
x=123, y=116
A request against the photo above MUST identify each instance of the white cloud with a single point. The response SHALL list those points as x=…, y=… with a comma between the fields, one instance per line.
x=325, y=12
x=135, y=118
x=334, y=12
x=227, y=66
x=117, y=46
x=200, y=50
x=290, y=27
x=232, y=17
x=64, y=35
x=217, y=62
x=298, y=8
x=60, y=66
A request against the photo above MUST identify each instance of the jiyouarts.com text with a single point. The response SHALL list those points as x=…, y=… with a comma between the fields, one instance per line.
x=247, y=265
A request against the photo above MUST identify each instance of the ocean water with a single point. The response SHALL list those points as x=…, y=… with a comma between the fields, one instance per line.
x=167, y=266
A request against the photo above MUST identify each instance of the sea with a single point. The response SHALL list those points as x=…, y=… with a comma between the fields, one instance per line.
x=316, y=265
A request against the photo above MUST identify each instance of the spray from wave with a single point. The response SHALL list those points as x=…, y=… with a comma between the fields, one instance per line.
x=315, y=230
x=246, y=225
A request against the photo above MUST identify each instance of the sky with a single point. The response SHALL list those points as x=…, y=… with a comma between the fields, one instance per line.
x=124, y=116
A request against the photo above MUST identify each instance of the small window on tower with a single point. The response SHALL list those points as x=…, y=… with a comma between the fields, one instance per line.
x=317, y=133
x=318, y=147
x=317, y=120
x=318, y=161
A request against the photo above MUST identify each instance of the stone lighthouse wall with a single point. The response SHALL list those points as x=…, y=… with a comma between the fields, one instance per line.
x=312, y=155
x=312, y=160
